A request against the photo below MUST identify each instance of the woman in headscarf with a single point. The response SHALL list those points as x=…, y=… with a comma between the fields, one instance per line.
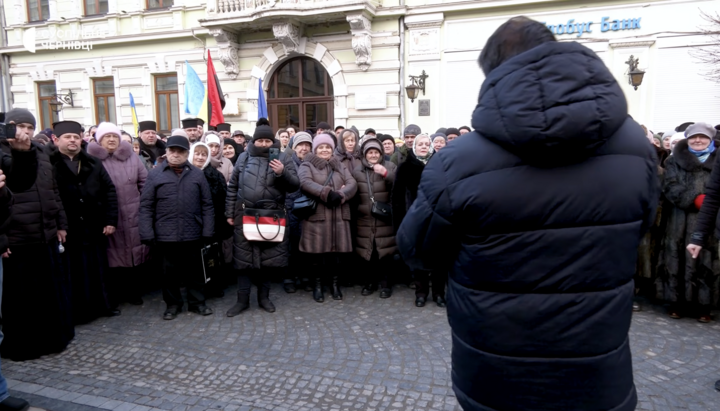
x=691, y=285
x=404, y=194
x=231, y=150
x=217, y=161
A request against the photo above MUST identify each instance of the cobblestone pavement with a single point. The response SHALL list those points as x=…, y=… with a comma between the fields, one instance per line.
x=362, y=353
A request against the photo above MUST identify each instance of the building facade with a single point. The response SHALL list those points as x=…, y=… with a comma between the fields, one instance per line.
x=342, y=61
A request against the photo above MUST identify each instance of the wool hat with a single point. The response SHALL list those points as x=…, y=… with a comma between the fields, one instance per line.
x=262, y=121
x=412, y=130
x=264, y=132
x=465, y=128
x=704, y=129
x=371, y=142
x=340, y=128
x=223, y=127
x=452, y=130
x=180, y=132
x=442, y=130
x=322, y=138
x=178, y=141
x=65, y=127
x=20, y=115
x=147, y=125
x=324, y=125
x=212, y=139
x=370, y=130
x=301, y=137
x=438, y=135
x=106, y=128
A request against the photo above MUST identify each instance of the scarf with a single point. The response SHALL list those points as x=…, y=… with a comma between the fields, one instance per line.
x=704, y=154
x=426, y=158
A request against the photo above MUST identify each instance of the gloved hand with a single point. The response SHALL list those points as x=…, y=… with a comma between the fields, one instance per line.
x=699, y=201
x=334, y=199
x=149, y=243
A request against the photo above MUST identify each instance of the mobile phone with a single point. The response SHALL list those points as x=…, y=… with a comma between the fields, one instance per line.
x=274, y=153
x=7, y=131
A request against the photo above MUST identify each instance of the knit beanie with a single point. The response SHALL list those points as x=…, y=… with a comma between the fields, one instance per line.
x=264, y=132
x=106, y=128
x=322, y=139
x=262, y=121
x=301, y=137
x=442, y=130
x=20, y=115
x=212, y=139
x=412, y=130
x=438, y=135
x=179, y=132
x=324, y=125
x=371, y=142
x=452, y=130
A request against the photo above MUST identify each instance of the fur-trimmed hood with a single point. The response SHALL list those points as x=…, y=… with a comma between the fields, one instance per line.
x=688, y=161
x=320, y=164
x=123, y=152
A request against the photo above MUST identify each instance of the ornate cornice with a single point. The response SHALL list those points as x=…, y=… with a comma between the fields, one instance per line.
x=228, y=48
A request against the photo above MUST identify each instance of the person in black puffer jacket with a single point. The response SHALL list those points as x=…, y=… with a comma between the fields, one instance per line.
x=538, y=214
x=257, y=182
x=176, y=212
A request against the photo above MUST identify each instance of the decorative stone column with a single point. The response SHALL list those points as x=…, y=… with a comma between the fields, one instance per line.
x=360, y=27
x=227, y=43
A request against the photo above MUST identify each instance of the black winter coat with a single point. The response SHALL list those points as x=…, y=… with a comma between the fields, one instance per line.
x=176, y=208
x=253, y=180
x=6, y=201
x=293, y=222
x=89, y=198
x=537, y=215
x=38, y=210
x=218, y=192
x=708, y=220
x=405, y=188
x=153, y=152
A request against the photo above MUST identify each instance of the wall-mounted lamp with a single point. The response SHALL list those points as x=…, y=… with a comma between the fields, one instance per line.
x=635, y=75
x=60, y=100
x=417, y=84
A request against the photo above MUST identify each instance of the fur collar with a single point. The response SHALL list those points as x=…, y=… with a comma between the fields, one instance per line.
x=122, y=153
x=688, y=161
x=320, y=164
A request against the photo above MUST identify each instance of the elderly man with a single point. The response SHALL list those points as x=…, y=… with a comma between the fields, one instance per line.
x=176, y=214
x=90, y=201
x=190, y=125
x=239, y=138
x=452, y=133
x=537, y=215
x=149, y=141
x=401, y=154
x=224, y=130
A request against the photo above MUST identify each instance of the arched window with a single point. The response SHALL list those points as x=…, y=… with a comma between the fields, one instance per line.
x=300, y=94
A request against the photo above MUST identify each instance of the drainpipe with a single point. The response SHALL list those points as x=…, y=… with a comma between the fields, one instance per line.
x=4, y=65
x=402, y=71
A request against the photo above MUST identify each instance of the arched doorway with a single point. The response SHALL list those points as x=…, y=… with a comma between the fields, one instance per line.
x=300, y=94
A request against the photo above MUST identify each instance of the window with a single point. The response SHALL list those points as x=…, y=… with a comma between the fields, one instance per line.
x=104, y=91
x=95, y=7
x=38, y=10
x=46, y=94
x=159, y=4
x=166, y=102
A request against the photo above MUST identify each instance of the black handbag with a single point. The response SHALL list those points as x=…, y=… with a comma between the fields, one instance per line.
x=212, y=260
x=305, y=206
x=379, y=210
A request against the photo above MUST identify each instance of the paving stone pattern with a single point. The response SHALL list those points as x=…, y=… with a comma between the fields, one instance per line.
x=362, y=353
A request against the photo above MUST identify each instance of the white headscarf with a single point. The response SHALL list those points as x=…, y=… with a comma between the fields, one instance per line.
x=430, y=151
x=192, y=153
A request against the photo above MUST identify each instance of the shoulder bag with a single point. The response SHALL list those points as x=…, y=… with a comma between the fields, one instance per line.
x=379, y=210
x=304, y=206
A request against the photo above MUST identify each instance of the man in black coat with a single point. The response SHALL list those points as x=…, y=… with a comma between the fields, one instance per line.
x=149, y=141
x=90, y=201
x=176, y=213
x=537, y=216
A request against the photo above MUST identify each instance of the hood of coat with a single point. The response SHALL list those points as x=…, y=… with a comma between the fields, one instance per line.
x=556, y=100
x=340, y=149
x=320, y=163
x=123, y=152
x=688, y=161
x=192, y=153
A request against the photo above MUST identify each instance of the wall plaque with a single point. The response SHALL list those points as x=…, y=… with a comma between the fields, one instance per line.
x=423, y=107
x=368, y=100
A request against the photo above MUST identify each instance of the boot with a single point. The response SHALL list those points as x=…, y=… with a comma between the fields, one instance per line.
x=318, y=291
x=242, y=304
x=264, y=298
x=336, y=293
x=306, y=284
x=368, y=289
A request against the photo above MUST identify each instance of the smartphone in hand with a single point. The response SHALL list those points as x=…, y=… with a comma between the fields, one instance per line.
x=274, y=153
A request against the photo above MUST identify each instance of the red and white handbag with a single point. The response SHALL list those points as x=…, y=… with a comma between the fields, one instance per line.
x=264, y=224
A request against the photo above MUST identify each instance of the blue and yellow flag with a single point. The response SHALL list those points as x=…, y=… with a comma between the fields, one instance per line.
x=196, y=95
x=133, y=110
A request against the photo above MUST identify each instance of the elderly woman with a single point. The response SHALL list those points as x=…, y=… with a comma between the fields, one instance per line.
x=126, y=254
x=347, y=150
x=231, y=150
x=217, y=161
x=258, y=182
x=686, y=281
x=404, y=194
x=326, y=234
x=375, y=237
x=438, y=141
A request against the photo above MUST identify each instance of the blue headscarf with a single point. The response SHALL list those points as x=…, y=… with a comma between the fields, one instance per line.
x=704, y=154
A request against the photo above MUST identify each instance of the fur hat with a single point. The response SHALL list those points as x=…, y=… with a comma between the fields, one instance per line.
x=322, y=138
x=301, y=137
x=106, y=128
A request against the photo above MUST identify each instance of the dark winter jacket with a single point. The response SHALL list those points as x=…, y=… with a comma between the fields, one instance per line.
x=371, y=231
x=153, y=152
x=685, y=179
x=708, y=220
x=38, y=211
x=537, y=215
x=218, y=192
x=293, y=221
x=6, y=201
x=328, y=230
x=401, y=155
x=176, y=208
x=405, y=188
x=253, y=180
x=89, y=198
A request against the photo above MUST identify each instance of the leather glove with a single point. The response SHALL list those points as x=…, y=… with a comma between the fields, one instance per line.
x=333, y=199
x=149, y=243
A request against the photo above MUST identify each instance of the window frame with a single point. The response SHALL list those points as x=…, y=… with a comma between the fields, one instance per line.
x=39, y=9
x=162, y=5
x=105, y=96
x=54, y=117
x=97, y=5
x=169, y=106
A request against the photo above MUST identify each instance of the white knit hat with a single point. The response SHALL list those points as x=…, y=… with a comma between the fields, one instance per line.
x=210, y=139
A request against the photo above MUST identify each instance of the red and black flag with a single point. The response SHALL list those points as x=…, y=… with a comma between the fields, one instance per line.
x=216, y=100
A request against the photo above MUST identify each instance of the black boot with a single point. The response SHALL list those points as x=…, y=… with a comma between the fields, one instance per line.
x=368, y=289
x=318, y=291
x=307, y=284
x=14, y=404
x=336, y=293
x=289, y=286
x=242, y=304
x=264, y=298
